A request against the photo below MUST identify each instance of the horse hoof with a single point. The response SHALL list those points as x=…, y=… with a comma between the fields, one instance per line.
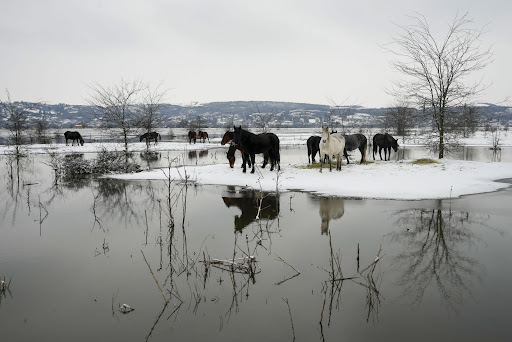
x=252, y=171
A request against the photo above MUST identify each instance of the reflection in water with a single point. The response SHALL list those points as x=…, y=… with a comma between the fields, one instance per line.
x=434, y=242
x=192, y=154
x=253, y=206
x=203, y=153
x=331, y=208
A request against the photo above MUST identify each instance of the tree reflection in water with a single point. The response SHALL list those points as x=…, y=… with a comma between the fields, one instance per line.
x=436, y=243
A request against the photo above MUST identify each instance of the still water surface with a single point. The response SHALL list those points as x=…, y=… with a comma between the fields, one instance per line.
x=77, y=250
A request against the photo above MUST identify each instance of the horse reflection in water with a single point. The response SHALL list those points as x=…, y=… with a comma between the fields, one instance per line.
x=330, y=209
x=248, y=202
x=195, y=154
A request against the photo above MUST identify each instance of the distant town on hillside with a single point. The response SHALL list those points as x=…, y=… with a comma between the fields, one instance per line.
x=246, y=113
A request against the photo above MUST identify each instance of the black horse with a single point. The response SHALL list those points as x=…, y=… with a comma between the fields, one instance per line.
x=150, y=136
x=74, y=136
x=251, y=144
x=353, y=141
x=384, y=141
x=313, y=145
x=192, y=136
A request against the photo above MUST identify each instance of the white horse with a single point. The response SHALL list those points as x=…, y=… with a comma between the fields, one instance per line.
x=331, y=145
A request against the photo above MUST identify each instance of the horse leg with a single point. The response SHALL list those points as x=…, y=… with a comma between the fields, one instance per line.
x=346, y=155
x=253, y=161
x=362, y=149
x=265, y=160
x=380, y=153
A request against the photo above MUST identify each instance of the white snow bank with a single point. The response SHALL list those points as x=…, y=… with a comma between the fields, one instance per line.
x=381, y=180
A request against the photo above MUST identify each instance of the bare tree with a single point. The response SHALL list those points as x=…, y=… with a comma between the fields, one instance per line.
x=41, y=128
x=435, y=69
x=401, y=118
x=150, y=115
x=116, y=107
x=14, y=117
x=152, y=103
x=262, y=120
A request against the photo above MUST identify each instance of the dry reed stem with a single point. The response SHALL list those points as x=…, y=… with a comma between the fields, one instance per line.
x=156, y=281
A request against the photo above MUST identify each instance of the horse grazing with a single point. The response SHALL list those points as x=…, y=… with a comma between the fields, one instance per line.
x=150, y=136
x=354, y=141
x=331, y=145
x=231, y=156
x=384, y=141
x=313, y=145
x=251, y=144
x=204, y=136
x=192, y=136
x=228, y=137
x=74, y=136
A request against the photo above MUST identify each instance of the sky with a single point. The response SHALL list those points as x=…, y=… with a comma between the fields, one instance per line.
x=317, y=51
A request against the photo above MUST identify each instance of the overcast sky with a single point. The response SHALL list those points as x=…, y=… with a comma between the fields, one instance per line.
x=314, y=51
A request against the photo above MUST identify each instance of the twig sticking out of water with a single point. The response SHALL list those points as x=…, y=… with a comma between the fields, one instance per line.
x=291, y=318
x=156, y=281
x=293, y=276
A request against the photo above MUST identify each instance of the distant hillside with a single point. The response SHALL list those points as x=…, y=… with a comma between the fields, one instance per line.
x=220, y=114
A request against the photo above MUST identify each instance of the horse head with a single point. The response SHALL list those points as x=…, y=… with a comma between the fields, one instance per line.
x=394, y=144
x=231, y=155
x=325, y=134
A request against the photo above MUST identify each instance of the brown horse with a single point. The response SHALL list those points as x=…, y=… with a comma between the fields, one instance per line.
x=204, y=136
x=228, y=137
x=192, y=136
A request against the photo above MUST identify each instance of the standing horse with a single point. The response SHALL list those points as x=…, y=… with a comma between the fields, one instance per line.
x=384, y=141
x=150, y=136
x=354, y=141
x=192, y=136
x=204, y=136
x=251, y=144
x=313, y=145
x=74, y=136
x=331, y=145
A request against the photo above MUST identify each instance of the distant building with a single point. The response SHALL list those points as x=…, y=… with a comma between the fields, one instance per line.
x=79, y=126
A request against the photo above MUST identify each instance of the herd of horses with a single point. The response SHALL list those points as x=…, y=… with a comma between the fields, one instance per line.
x=330, y=145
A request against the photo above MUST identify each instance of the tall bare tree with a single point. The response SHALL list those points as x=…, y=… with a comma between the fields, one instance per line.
x=436, y=69
x=15, y=118
x=116, y=107
x=150, y=115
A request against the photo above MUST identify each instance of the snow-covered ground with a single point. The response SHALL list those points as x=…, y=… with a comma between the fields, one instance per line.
x=383, y=180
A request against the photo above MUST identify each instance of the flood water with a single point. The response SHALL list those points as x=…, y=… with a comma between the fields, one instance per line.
x=75, y=251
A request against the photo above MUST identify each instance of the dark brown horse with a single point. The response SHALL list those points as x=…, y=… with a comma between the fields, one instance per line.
x=73, y=136
x=150, y=136
x=386, y=142
x=192, y=136
x=231, y=156
x=228, y=137
x=203, y=136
